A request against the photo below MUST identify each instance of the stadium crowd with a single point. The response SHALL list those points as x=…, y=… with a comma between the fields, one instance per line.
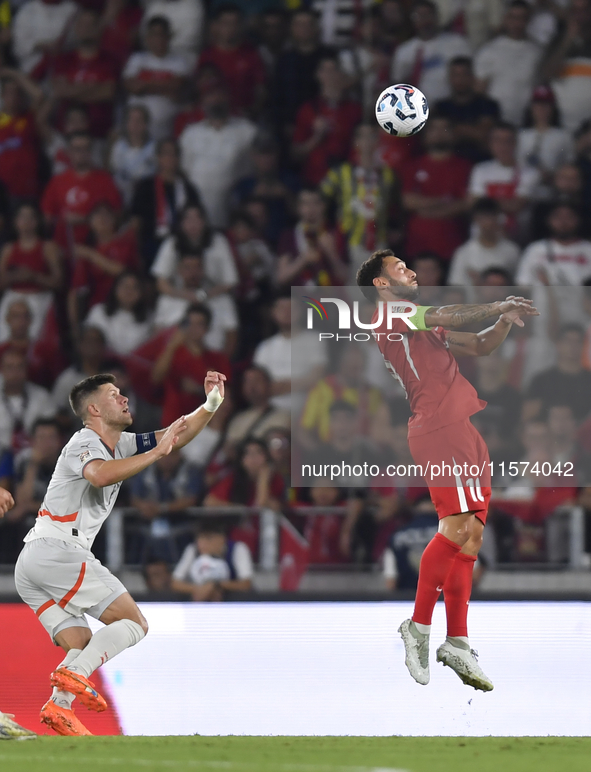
x=169, y=169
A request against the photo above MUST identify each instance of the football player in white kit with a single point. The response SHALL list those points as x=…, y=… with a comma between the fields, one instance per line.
x=56, y=573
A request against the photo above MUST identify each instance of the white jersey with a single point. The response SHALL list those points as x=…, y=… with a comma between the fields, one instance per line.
x=73, y=509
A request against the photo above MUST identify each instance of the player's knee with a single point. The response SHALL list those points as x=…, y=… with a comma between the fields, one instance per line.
x=144, y=625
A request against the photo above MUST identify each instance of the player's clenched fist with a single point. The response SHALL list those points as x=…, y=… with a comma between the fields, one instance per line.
x=6, y=501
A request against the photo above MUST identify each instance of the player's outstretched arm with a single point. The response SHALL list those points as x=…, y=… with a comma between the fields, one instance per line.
x=452, y=317
x=481, y=344
x=198, y=419
x=102, y=473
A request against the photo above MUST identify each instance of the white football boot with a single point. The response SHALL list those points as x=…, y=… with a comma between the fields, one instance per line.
x=10, y=730
x=417, y=651
x=464, y=661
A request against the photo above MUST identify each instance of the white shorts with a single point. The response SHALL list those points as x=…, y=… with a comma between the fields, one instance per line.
x=61, y=582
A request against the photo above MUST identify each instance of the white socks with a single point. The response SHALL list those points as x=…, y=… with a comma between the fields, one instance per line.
x=422, y=629
x=106, y=644
x=65, y=699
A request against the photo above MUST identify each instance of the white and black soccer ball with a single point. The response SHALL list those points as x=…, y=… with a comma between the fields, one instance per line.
x=402, y=110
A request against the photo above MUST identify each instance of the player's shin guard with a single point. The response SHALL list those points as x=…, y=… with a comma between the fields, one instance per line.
x=106, y=644
x=436, y=563
x=456, y=592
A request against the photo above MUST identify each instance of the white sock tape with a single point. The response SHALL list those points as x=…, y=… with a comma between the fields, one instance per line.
x=213, y=401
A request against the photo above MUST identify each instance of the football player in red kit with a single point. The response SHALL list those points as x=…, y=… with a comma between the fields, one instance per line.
x=441, y=439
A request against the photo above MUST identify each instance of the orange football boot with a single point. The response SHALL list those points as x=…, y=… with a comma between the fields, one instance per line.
x=62, y=720
x=67, y=681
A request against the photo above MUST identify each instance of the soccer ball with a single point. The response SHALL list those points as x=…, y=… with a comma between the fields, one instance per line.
x=402, y=110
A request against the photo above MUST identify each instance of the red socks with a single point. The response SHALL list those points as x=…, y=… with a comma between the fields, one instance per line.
x=457, y=590
x=436, y=564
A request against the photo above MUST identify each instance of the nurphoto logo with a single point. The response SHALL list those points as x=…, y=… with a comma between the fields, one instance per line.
x=390, y=310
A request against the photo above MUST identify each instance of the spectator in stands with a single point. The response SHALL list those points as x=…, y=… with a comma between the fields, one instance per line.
x=33, y=468
x=272, y=35
x=195, y=236
x=186, y=19
x=503, y=402
x=120, y=22
x=295, y=82
x=30, y=270
x=424, y=60
x=567, y=380
x=21, y=403
x=123, y=318
x=293, y=358
x=19, y=138
x=213, y=565
x=154, y=78
x=488, y=248
x=133, y=155
x=158, y=201
x=564, y=258
x=394, y=25
x=183, y=365
x=324, y=127
x=568, y=65
x=472, y=115
x=37, y=31
x=87, y=75
x=430, y=273
x=366, y=62
x=259, y=416
x=161, y=494
x=364, y=192
x=506, y=67
x=402, y=556
x=434, y=192
x=347, y=383
x=70, y=197
x=253, y=481
x=311, y=253
x=566, y=187
x=98, y=265
x=503, y=179
x=270, y=184
x=158, y=579
x=562, y=429
x=45, y=358
x=56, y=141
x=171, y=309
x=215, y=153
x=90, y=358
x=240, y=64
x=543, y=144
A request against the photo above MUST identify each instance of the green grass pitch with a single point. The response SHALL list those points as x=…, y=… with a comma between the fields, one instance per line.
x=298, y=754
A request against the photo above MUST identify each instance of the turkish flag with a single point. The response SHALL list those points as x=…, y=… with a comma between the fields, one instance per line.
x=294, y=555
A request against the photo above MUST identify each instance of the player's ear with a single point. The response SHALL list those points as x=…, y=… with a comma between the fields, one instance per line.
x=379, y=282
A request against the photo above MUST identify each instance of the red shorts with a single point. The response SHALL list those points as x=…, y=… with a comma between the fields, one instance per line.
x=455, y=465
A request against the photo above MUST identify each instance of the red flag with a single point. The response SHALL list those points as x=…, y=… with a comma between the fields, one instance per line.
x=293, y=552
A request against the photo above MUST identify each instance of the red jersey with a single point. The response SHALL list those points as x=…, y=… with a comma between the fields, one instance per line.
x=99, y=69
x=71, y=192
x=19, y=155
x=445, y=178
x=243, y=71
x=120, y=249
x=422, y=363
x=334, y=147
x=33, y=259
x=185, y=364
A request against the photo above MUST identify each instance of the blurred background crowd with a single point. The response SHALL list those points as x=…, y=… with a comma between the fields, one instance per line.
x=170, y=169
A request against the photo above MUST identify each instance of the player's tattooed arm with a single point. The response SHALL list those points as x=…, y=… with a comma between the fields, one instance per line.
x=454, y=316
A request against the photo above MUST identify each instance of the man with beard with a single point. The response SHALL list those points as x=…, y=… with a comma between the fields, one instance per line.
x=440, y=433
x=56, y=573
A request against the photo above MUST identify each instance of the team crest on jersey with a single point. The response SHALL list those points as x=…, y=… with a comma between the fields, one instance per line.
x=84, y=455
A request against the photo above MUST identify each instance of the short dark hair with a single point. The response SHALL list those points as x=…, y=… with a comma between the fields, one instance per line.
x=210, y=526
x=496, y=271
x=461, y=61
x=226, y=8
x=85, y=389
x=198, y=308
x=370, y=270
x=341, y=406
x=45, y=422
x=159, y=21
x=519, y=4
x=486, y=206
x=571, y=327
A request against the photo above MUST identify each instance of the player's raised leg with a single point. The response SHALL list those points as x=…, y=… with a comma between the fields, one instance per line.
x=436, y=563
x=456, y=652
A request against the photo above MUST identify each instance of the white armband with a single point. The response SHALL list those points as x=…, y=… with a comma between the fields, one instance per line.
x=213, y=401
